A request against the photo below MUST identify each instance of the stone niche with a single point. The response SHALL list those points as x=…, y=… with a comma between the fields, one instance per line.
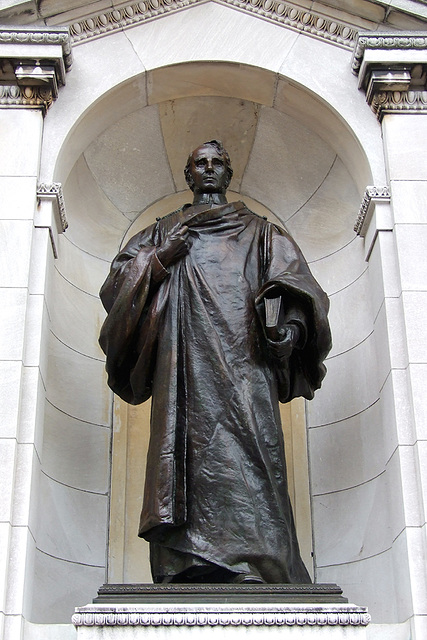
x=294, y=161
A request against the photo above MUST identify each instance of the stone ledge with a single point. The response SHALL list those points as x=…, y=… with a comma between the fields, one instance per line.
x=211, y=615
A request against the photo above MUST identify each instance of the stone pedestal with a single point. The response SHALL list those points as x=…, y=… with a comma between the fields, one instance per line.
x=179, y=611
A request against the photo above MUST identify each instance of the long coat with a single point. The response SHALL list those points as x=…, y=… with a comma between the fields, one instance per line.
x=193, y=338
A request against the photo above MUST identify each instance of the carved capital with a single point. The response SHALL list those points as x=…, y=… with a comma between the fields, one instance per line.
x=392, y=70
x=33, y=65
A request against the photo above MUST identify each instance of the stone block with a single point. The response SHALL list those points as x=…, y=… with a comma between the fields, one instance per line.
x=96, y=234
x=68, y=370
x=347, y=453
x=406, y=151
x=353, y=524
x=13, y=305
x=59, y=587
x=350, y=315
x=340, y=269
x=137, y=172
x=409, y=201
x=10, y=381
x=280, y=149
x=72, y=525
x=411, y=241
x=76, y=453
x=18, y=197
x=15, y=241
x=350, y=386
x=7, y=475
x=76, y=317
x=417, y=377
x=21, y=137
x=219, y=116
x=225, y=79
x=85, y=271
x=161, y=43
x=415, y=311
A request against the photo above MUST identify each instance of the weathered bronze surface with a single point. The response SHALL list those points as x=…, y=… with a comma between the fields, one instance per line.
x=223, y=593
x=188, y=324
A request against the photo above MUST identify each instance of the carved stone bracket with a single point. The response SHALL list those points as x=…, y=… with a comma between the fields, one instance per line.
x=392, y=70
x=33, y=65
x=278, y=11
x=374, y=216
x=371, y=195
x=50, y=212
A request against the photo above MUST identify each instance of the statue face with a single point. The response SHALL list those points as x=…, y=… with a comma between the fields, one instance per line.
x=209, y=171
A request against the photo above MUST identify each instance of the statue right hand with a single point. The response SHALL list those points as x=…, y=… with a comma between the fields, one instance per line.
x=175, y=246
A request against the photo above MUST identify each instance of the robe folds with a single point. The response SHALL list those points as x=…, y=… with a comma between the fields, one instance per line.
x=192, y=337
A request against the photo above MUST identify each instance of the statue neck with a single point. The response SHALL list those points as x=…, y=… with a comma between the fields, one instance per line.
x=209, y=198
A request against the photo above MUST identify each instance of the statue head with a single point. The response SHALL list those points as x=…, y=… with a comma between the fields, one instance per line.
x=208, y=168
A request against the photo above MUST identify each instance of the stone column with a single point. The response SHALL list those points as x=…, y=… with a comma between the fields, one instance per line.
x=392, y=70
x=33, y=63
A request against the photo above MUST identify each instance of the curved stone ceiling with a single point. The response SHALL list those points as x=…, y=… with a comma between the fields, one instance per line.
x=135, y=168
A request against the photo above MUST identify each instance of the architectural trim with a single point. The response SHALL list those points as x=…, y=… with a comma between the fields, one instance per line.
x=392, y=70
x=277, y=11
x=54, y=192
x=386, y=41
x=398, y=101
x=40, y=36
x=191, y=616
x=12, y=96
x=50, y=213
x=33, y=65
x=371, y=195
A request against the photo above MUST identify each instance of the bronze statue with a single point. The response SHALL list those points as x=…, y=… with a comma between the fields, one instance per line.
x=214, y=313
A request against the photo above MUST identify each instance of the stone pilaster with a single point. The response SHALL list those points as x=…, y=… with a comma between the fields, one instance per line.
x=392, y=70
x=33, y=64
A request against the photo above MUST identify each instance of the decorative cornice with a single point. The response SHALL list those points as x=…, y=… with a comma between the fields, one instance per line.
x=278, y=11
x=371, y=195
x=27, y=97
x=33, y=64
x=392, y=70
x=267, y=617
x=54, y=191
x=385, y=41
x=38, y=36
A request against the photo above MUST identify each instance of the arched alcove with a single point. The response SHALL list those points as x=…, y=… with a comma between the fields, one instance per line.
x=298, y=160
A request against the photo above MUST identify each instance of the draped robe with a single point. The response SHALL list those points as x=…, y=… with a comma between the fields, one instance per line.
x=193, y=338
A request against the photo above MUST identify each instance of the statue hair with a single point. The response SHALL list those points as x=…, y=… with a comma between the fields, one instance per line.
x=218, y=146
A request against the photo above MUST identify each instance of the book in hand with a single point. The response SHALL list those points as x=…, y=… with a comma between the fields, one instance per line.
x=273, y=307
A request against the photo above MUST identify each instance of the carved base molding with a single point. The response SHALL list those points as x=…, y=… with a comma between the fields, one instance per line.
x=336, y=621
